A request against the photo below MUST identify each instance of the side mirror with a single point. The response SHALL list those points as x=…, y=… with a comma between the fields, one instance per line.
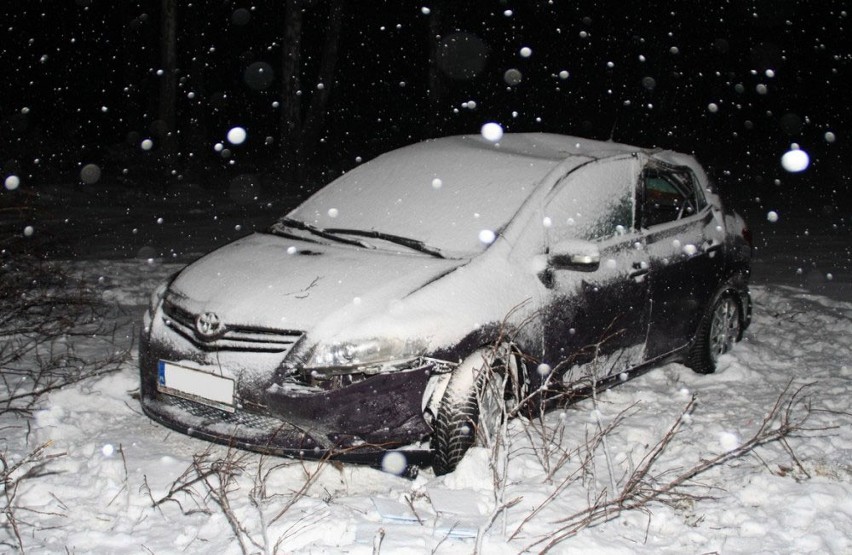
x=574, y=254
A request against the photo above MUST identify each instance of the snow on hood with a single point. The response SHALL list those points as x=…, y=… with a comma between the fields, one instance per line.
x=488, y=290
x=257, y=281
x=347, y=293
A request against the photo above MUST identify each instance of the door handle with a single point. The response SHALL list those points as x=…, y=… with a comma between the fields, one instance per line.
x=639, y=270
x=639, y=273
x=712, y=246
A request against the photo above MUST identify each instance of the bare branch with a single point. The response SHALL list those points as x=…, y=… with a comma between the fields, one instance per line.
x=643, y=487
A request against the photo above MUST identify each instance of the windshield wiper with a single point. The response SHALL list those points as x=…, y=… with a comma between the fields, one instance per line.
x=319, y=232
x=413, y=244
x=282, y=230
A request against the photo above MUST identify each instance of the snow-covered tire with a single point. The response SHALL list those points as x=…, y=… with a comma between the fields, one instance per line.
x=474, y=405
x=717, y=332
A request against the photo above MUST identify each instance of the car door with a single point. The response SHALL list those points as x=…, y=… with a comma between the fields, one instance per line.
x=683, y=238
x=597, y=313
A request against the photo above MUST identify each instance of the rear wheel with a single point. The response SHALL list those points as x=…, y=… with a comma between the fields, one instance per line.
x=720, y=328
x=478, y=396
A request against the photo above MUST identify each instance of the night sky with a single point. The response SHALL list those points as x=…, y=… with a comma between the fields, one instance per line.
x=736, y=83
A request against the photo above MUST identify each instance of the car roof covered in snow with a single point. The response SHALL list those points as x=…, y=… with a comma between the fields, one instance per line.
x=443, y=191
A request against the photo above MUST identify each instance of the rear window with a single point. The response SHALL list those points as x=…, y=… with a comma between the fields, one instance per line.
x=670, y=194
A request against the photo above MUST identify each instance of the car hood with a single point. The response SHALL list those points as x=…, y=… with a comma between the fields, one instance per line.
x=273, y=282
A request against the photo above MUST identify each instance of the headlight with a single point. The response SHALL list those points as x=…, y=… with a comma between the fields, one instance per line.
x=369, y=352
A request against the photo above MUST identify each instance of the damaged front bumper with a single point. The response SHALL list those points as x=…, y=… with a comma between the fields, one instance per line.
x=357, y=423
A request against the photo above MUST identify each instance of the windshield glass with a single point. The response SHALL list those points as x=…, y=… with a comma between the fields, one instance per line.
x=450, y=195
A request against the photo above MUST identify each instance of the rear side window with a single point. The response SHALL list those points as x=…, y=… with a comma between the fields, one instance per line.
x=669, y=194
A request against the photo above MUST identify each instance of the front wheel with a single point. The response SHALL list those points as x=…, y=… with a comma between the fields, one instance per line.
x=479, y=394
x=719, y=329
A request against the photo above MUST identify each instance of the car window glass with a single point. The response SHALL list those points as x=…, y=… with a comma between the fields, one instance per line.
x=593, y=202
x=669, y=195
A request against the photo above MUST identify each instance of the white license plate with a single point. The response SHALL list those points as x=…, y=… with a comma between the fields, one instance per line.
x=195, y=385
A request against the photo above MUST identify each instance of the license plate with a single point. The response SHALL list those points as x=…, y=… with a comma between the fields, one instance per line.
x=195, y=385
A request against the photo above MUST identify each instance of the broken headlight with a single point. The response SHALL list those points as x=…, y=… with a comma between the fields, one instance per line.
x=346, y=356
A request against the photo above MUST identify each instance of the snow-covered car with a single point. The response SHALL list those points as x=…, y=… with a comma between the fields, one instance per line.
x=415, y=302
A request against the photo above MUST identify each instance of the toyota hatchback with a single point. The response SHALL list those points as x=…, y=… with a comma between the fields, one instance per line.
x=418, y=300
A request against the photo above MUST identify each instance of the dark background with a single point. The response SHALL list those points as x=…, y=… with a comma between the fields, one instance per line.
x=81, y=86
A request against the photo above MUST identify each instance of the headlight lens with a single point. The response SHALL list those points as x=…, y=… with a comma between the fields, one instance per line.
x=369, y=352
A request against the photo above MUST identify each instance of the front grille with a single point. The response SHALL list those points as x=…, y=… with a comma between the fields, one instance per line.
x=234, y=338
x=239, y=418
x=271, y=436
x=258, y=432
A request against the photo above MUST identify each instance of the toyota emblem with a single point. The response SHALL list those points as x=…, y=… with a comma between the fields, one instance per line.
x=208, y=325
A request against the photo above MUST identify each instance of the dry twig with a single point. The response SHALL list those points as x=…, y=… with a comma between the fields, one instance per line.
x=642, y=487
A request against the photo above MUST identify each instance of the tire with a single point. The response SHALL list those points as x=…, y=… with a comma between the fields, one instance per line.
x=474, y=405
x=719, y=329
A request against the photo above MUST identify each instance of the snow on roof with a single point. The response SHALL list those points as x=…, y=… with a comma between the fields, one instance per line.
x=442, y=189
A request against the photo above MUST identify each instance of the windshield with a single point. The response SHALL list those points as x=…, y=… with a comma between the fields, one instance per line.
x=451, y=196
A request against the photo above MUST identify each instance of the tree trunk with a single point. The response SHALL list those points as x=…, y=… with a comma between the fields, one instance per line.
x=436, y=91
x=315, y=117
x=291, y=84
x=168, y=81
x=197, y=137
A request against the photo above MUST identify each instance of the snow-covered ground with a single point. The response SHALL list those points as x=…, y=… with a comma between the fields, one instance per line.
x=793, y=496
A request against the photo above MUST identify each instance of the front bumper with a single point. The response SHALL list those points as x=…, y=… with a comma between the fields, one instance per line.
x=358, y=423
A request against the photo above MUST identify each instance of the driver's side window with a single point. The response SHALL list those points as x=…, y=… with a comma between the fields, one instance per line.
x=594, y=202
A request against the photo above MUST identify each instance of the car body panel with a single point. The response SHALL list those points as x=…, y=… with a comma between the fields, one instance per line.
x=682, y=277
